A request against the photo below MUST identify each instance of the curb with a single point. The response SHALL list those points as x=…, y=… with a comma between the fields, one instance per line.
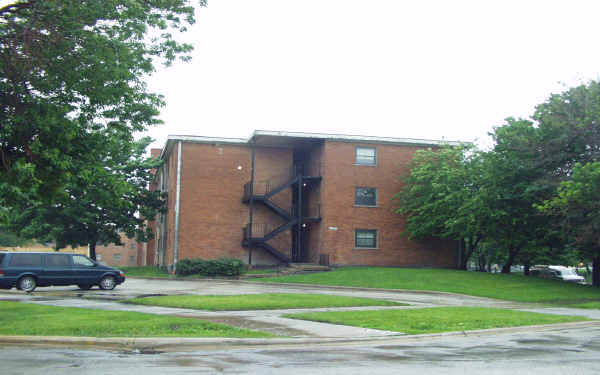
x=158, y=345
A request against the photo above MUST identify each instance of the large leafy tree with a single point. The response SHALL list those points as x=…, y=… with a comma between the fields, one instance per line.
x=71, y=69
x=578, y=204
x=99, y=203
x=510, y=181
x=569, y=153
x=441, y=198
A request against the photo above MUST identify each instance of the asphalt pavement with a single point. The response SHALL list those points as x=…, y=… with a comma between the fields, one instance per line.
x=305, y=347
x=264, y=320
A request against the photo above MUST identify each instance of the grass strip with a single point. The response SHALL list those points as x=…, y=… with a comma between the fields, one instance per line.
x=269, y=301
x=509, y=287
x=37, y=320
x=436, y=319
x=145, y=271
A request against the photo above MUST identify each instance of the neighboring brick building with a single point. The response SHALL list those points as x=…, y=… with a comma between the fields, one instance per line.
x=118, y=256
x=316, y=198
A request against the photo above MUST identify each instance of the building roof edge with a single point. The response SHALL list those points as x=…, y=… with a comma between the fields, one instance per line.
x=357, y=138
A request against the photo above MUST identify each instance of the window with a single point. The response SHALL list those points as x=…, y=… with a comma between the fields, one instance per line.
x=58, y=260
x=117, y=257
x=365, y=239
x=26, y=260
x=365, y=196
x=365, y=156
x=98, y=256
x=80, y=260
x=132, y=246
x=131, y=259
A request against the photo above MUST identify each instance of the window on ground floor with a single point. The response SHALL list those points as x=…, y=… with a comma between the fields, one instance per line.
x=365, y=238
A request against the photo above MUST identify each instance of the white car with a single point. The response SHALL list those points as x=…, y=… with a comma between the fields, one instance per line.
x=560, y=273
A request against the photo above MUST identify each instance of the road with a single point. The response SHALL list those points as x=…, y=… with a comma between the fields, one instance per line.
x=555, y=352
x=550, y=351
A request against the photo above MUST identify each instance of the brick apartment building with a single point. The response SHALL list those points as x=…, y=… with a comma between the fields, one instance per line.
x=118, y=256
x=283, y=197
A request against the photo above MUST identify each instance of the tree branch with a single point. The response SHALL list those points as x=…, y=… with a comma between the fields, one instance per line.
x=15, y=8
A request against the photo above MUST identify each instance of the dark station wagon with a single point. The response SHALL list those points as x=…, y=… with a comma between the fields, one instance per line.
x=26, y=271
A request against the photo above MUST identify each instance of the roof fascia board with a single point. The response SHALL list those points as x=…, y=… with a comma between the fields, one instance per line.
x=357, y=138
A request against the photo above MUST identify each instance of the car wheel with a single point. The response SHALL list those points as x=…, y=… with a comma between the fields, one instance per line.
x=107, y=283
x=27, y=284
x=84, y=287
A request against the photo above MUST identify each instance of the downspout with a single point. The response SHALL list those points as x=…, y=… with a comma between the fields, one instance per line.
x=250, y=243
x=177, y=204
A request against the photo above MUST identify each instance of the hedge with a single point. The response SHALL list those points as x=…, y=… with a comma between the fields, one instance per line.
x=218, y=267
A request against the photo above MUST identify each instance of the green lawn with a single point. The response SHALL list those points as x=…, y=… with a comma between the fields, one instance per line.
x=35, y=320
x=436, y=319
x=259, y=301
x=495, y=285
x=586, y=305
x=145, y=271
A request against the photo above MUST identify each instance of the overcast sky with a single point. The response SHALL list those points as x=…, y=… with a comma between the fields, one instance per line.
x=415, y=69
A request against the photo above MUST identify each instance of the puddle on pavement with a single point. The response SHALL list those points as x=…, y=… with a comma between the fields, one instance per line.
x=146, y=351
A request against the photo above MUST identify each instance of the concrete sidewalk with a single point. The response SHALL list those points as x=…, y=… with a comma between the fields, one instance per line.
x=299, y=332
x=157, y=345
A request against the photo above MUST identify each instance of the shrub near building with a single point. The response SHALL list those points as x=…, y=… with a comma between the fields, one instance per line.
x=217, y=267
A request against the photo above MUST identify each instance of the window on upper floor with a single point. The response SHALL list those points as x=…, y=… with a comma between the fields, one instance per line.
x=365, y=196
x=365, y=156
x=365, y=238
x=117, y=257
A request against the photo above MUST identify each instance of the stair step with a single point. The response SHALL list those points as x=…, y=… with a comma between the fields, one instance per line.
x=309, y=267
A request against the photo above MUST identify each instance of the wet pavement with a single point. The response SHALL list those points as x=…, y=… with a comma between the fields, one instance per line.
x=310, y=347
x=560, y=351
x=266, y=320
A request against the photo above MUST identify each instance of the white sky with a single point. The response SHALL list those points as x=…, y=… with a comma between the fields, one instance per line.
x=415, y=69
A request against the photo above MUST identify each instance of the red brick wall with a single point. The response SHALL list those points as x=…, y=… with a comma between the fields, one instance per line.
x=340, y=178
x=127, y=253
x=212, y=213
x=172, y=194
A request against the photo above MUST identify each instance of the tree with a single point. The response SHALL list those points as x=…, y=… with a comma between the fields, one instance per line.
x=72, y=69
x=99, y=204
x=509, y=181
x=441, y=198
x=578, y=204
x=569, y=152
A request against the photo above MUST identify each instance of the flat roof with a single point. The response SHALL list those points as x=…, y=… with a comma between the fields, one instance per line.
x=269, y=138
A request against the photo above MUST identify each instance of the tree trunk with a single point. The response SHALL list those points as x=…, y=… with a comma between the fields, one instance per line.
x=460, y=254
x=512, y=253
x=92, y=246
x=596, y=272
x=526, y=270
x=482, y=262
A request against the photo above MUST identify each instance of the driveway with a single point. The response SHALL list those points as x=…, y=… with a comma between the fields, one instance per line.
x=560, y=352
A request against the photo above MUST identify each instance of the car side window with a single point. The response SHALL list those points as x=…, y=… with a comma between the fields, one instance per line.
x=80, y=260
x=57, y=260
x=26, y=260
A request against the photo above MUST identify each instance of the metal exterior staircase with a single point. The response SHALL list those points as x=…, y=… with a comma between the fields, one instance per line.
x=260, y=234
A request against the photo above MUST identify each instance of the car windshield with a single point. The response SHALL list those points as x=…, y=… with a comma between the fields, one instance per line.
x=568, y=272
